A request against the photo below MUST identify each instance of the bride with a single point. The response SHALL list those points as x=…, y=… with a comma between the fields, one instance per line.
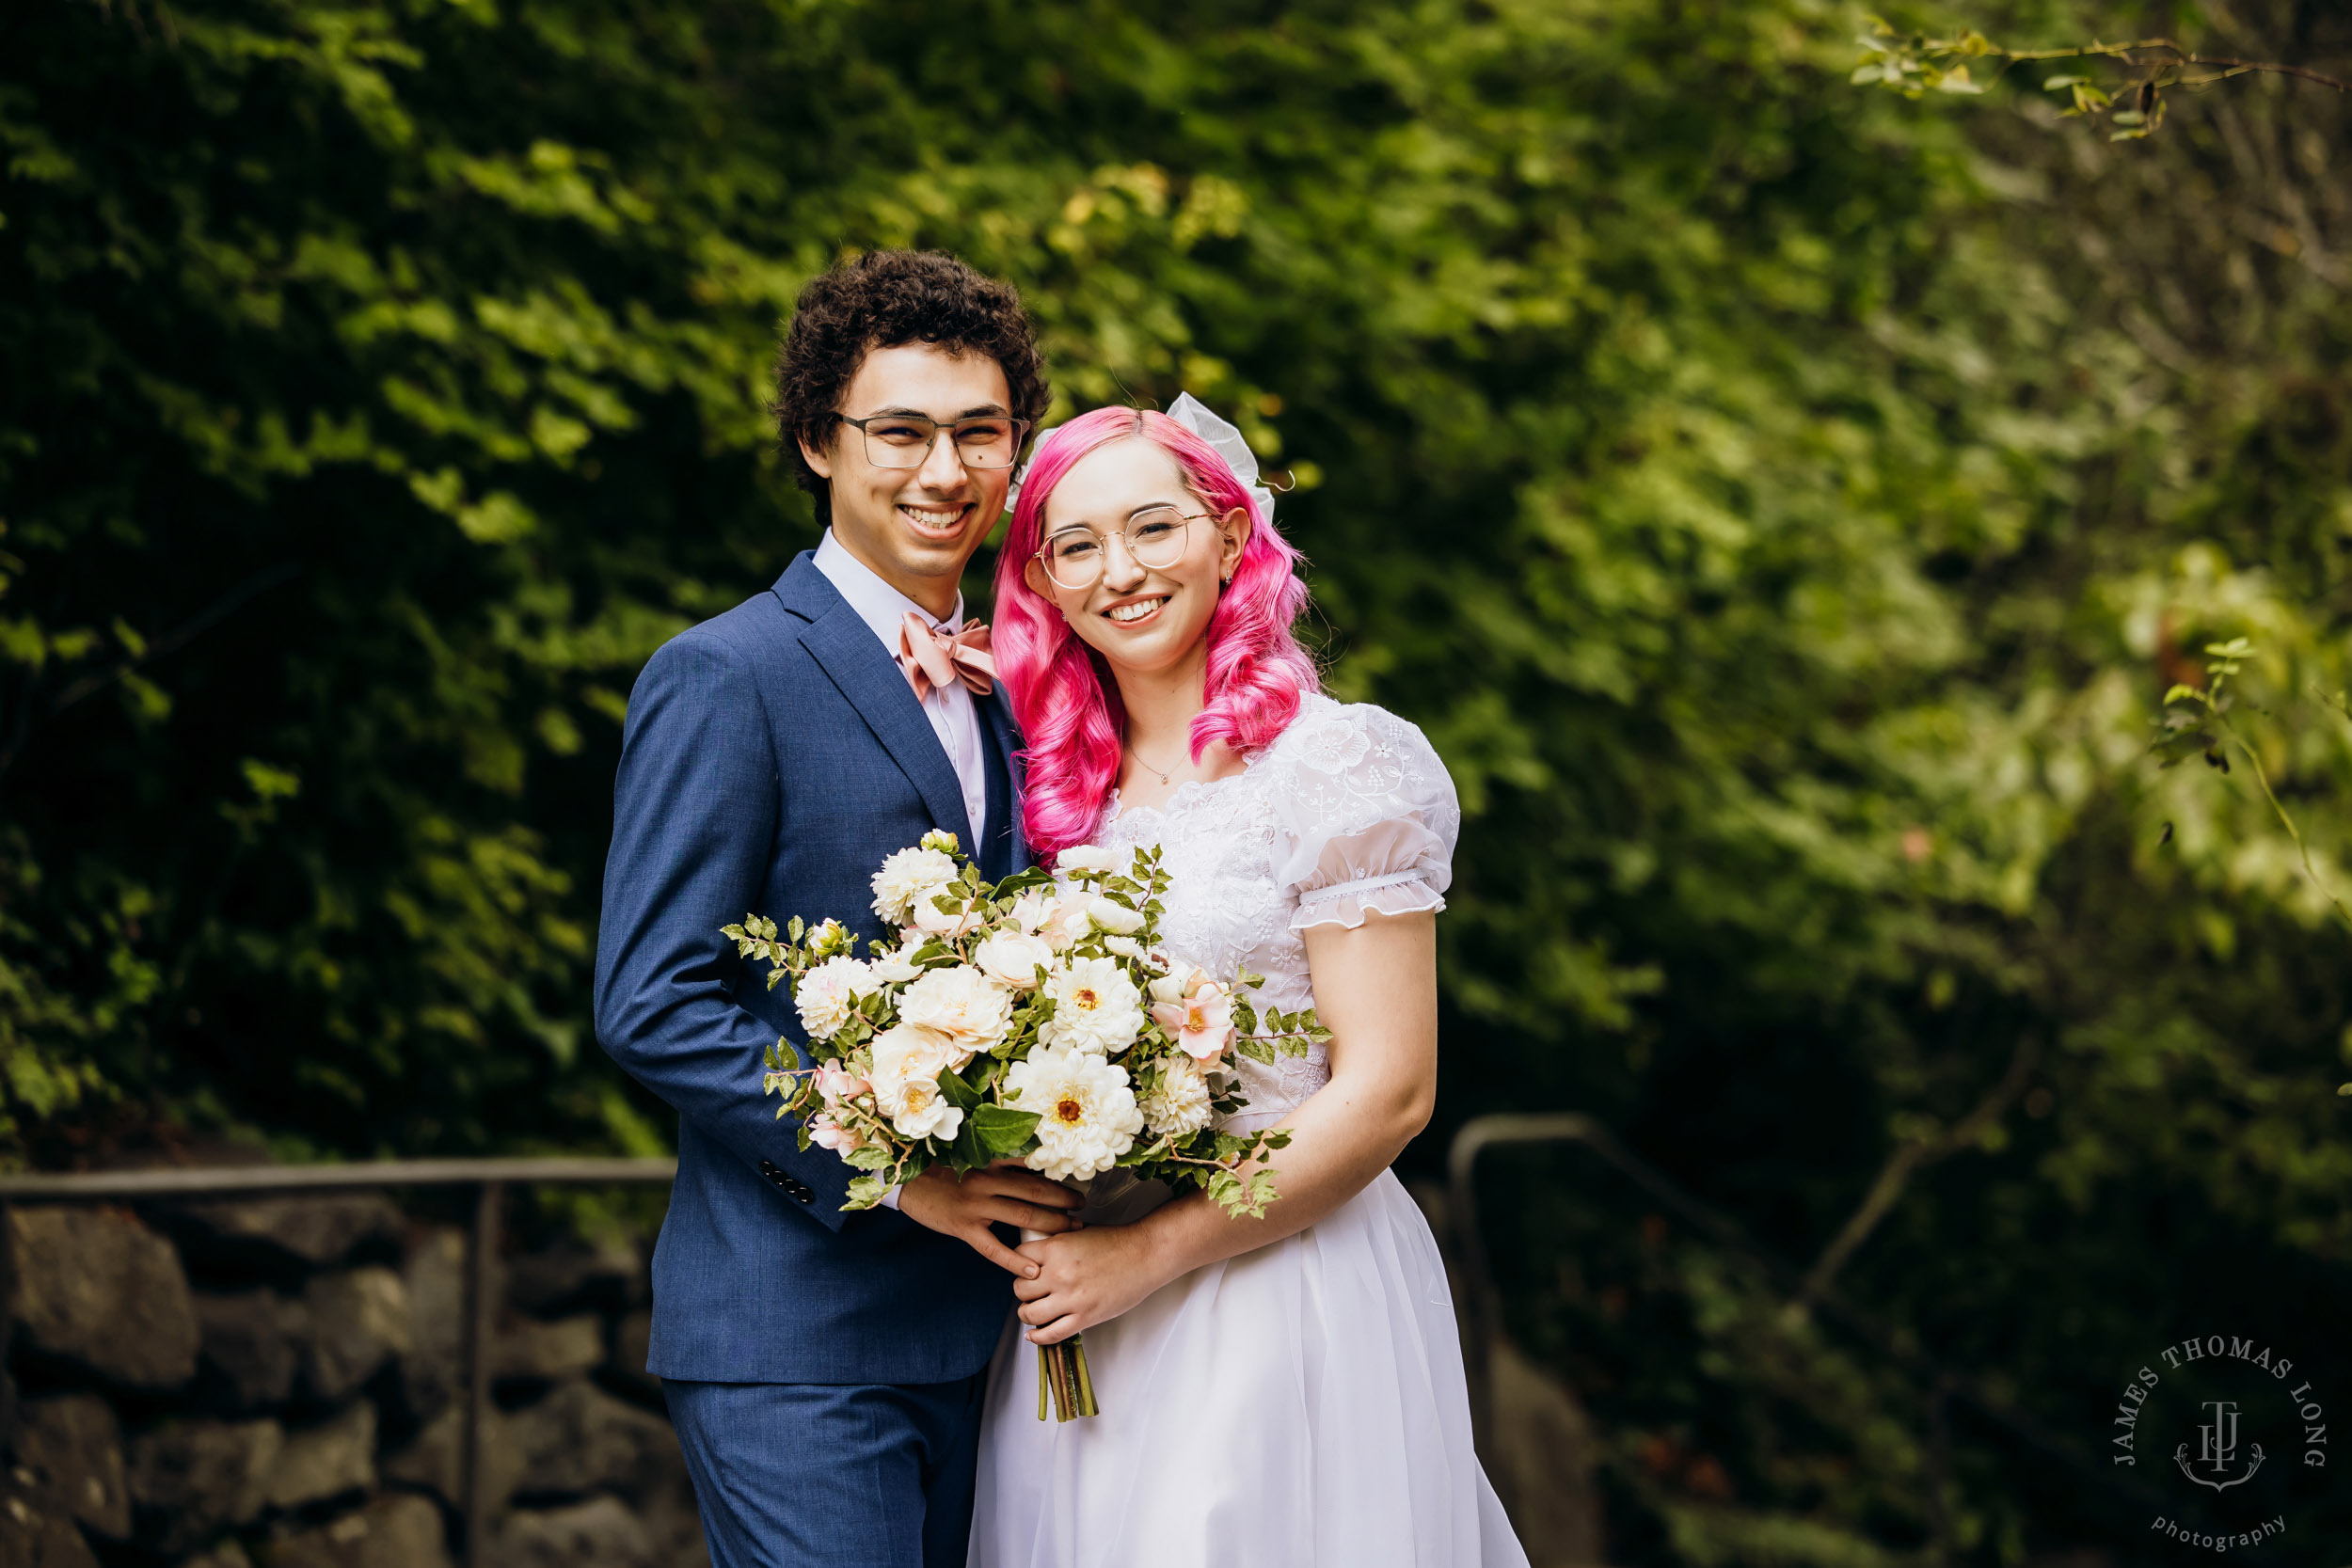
x=1284, y=1391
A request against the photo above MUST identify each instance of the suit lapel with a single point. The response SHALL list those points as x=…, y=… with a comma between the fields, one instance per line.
x=853, y=659
x=996, y=713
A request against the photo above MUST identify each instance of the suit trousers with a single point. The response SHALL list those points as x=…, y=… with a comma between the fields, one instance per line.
x=832, y=1475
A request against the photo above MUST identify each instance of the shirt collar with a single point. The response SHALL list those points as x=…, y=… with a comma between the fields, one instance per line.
x=877, y=604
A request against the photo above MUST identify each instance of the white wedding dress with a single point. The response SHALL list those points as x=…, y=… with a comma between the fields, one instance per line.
x=1302, y=1405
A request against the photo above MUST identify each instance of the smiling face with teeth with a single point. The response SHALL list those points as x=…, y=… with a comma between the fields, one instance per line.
x=915, y=528
x=1150, y=623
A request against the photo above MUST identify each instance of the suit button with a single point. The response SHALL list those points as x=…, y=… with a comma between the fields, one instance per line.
x=767, y=1168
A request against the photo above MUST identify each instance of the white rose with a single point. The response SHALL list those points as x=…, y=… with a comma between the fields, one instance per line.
x=1013, y=957
x=928, y=918
x=1059, y=920
x=1126, y=947
x=908, y=1060
x=925, y=1113
x=1113, y=916
x=827, y=995
x=963, y=1006
x=909, y=875
x=895, y=967
x=1178, y=1105
x=1096, y=1007
x=1086, y=1115
x=1085, y=858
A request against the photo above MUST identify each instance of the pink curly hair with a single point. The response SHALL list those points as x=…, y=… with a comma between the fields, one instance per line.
x=1061, y=693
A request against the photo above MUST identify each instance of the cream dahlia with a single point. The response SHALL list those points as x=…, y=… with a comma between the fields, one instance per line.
x=1096, y=1007
x=1177, y=1105
x=1087, y=1114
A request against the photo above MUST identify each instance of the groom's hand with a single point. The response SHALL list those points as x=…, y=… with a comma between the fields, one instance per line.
x=1002, y=1194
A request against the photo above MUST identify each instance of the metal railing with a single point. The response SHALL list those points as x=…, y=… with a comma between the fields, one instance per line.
x=1483, y=1300
x=491, y=1179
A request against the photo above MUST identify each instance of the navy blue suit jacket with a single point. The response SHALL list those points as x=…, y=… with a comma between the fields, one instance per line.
x=773, y=756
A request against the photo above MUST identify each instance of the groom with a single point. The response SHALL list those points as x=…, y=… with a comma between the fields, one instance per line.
x=825, y=1370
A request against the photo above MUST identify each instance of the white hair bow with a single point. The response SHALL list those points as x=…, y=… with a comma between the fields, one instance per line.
x=1193, y=414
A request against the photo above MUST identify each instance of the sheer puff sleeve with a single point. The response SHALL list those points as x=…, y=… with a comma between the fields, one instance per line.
x=1367, y=815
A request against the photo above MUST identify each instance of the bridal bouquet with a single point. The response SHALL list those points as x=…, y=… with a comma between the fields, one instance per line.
x=1034, y=1019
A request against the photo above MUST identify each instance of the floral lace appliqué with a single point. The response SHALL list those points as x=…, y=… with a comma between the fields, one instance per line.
x=1239, y=849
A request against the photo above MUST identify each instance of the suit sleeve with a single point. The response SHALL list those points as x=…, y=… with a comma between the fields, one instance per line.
x=694, y=814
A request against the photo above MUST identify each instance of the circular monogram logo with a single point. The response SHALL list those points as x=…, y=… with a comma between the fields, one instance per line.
x=2233, y=1434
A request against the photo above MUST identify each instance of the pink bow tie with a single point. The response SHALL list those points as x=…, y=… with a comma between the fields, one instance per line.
x=932, y=658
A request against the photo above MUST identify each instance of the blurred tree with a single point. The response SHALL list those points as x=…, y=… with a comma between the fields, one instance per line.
x=1786, y=507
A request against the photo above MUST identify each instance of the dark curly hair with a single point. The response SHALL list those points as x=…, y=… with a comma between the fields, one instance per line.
x=882, y=300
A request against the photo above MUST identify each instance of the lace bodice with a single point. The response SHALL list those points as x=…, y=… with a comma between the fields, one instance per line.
x=1349, y=810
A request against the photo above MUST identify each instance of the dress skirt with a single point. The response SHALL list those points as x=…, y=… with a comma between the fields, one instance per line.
x=1302, y=1404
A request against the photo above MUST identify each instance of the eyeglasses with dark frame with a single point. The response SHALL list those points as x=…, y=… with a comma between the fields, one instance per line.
x=1074, y=557
x=905, y=440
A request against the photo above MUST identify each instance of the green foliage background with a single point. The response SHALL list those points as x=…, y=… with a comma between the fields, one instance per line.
x=1783, y=504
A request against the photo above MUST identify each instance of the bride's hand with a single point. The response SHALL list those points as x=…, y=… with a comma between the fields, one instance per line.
x=1084, y=1278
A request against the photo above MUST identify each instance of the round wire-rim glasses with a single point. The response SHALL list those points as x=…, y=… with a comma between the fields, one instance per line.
x=1074, y=557
x=905, y=440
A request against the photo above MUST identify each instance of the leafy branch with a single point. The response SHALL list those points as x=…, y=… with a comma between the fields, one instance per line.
x=139, y=653
x=1921, y=1149
x=2196, y=720
x=1914, y=65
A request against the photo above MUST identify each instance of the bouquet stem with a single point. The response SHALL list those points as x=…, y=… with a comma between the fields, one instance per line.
x=1063, y=1377
x=1061, y=1373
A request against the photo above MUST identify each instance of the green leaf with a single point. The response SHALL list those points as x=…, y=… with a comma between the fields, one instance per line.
x=967, y=1152
x=1002, y=1131
x=957, y=1091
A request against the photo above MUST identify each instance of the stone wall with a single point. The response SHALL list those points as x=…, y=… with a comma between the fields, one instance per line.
x=280, y=1384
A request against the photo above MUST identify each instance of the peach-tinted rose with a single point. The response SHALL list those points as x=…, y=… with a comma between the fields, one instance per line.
x=827, y=1134
x=838, y=1083
x=1202, y=1022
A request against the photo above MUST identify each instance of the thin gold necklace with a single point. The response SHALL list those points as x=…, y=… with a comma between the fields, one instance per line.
x=1145, y=766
